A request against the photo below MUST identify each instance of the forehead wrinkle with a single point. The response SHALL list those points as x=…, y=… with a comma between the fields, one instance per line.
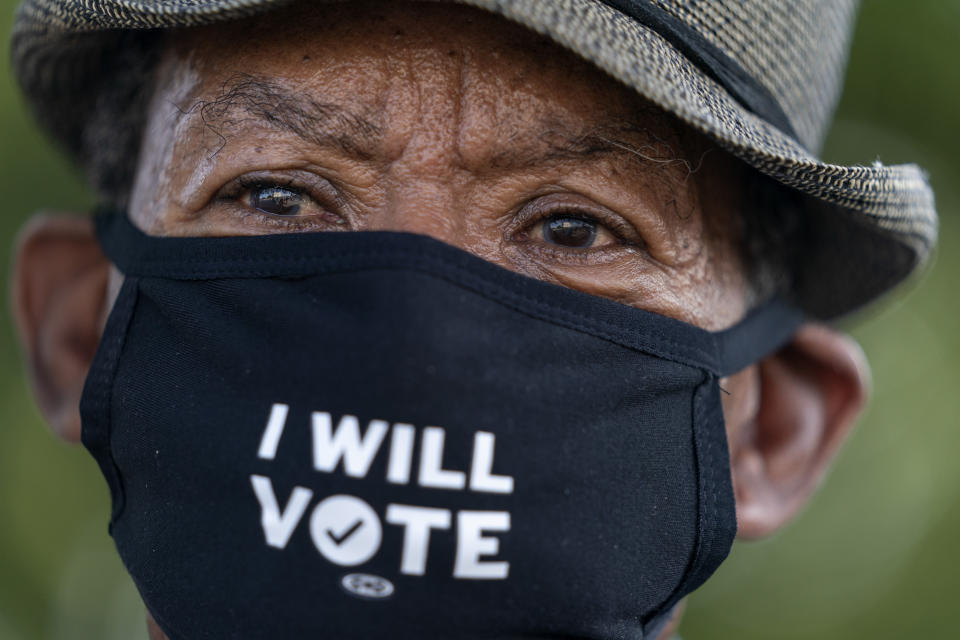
x=624, y=142
x=244, y=98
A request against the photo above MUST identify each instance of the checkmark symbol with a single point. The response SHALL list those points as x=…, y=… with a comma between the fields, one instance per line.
x=339, y=539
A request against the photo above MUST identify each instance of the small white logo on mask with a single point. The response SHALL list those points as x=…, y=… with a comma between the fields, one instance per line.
x=366, y=585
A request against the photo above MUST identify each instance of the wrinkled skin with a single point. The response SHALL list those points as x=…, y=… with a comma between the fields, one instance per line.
x=447, y=121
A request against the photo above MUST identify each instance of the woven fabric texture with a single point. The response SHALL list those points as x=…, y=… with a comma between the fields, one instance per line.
x=878, y=223
x=778, y=55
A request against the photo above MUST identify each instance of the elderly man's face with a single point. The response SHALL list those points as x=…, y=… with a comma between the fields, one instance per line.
x=445, y=121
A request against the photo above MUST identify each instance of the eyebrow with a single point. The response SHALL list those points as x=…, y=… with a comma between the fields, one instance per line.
x=318, y=123
x=244, y=96
x=614, y=139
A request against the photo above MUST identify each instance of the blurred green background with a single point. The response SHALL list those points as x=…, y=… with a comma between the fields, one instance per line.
x=875, y=556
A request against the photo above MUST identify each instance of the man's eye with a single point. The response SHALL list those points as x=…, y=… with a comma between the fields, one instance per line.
x=276, y=200
x=568, y=226
x=569, y=231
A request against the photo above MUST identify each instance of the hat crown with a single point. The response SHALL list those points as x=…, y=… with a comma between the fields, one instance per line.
x=796, y=50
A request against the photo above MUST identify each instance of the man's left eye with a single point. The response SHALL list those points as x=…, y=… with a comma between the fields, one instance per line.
x=569, y=232
x=572, y=232
x=276, y=200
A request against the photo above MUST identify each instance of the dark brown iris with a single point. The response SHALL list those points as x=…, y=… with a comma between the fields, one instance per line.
x=568, y=231
x=278, y=201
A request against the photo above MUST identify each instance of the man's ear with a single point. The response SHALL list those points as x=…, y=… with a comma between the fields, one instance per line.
x=59, y=289
x=801, y=404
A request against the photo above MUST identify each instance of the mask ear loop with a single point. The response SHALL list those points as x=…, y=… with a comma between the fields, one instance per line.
x=764, y=330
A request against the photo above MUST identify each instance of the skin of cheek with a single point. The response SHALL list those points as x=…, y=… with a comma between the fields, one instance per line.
x=701, y=276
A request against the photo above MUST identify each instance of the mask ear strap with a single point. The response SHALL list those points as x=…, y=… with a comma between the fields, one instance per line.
x=763, y=331
x=127, y=246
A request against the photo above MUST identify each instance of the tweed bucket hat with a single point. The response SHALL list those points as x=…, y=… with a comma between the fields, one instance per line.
x=760, y=78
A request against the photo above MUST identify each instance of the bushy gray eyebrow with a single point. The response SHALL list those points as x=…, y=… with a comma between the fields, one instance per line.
x=244, y=97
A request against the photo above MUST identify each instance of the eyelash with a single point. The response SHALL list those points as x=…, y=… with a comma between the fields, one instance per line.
x=536, y=212
x=528, y=215
x=237, y=193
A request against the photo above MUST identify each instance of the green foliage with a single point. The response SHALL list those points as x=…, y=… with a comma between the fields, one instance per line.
x=873, y=557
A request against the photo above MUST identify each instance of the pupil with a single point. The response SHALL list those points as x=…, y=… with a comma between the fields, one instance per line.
x=278, y=201
x=570, y=232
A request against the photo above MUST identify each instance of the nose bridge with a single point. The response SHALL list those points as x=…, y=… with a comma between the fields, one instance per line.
x=427, y=207
x=427, y=181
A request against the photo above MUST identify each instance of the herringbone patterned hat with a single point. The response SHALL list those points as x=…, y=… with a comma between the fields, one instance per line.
x=759, y=77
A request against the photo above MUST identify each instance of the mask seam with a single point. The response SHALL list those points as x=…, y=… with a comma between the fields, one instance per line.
x=584, y=324
x=102, y=375
x=433, y=266
x=706, y=508
x=117, y=231
x=131, y=249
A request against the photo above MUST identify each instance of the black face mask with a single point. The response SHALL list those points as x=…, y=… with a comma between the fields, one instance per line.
x=376, y=435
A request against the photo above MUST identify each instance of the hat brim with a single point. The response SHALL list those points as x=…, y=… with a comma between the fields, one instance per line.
x=874, y=225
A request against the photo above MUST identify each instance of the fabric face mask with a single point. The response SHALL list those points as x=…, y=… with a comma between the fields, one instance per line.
x=376, y=435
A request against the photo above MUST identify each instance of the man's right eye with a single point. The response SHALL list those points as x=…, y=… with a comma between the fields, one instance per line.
x=266, y=202
x=276, y=200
